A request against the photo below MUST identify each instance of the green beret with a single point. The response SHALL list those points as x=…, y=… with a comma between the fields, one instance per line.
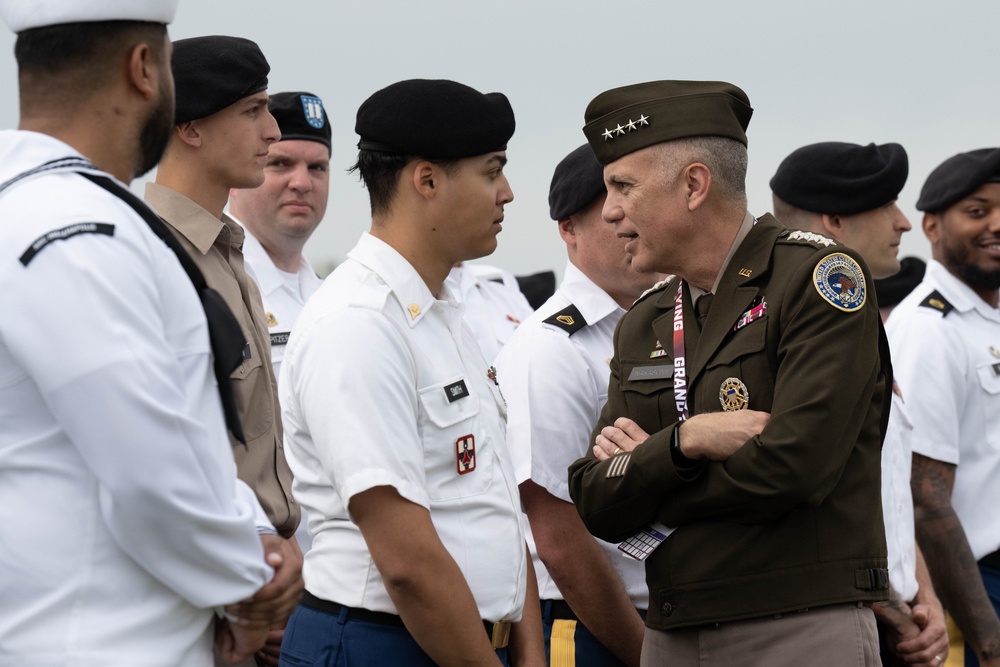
x=623, y=120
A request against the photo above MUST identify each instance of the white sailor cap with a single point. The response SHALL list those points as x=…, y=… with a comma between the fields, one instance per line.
x=21, y=15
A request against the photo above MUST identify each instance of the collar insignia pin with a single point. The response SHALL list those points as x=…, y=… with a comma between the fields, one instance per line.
x=414, y=310
x=272, y=321
x=745, y=273
x=994, y=351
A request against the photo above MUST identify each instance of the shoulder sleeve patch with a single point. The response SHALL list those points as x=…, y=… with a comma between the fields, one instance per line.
x=841, y=282
x=935, y=301
x=655, y=288
x=568, y=319
x=41, y=242
x=810, y=238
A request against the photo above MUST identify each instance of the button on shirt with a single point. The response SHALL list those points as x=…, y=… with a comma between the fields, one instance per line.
x=556, y=385
x=494, y=306
x=121, y=520
x=383, y=385
x=282, y=300
x=949, y=370
x=215, y=246
x=897, y=501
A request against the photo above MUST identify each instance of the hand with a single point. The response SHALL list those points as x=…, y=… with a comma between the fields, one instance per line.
x=931, y=643
x=718, y=435
x=235, y=643
x=624, y=436
x=275, y=601
x=271, y=653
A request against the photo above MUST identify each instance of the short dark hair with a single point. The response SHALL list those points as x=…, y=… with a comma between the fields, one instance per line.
x=379, y=172
x=88, y=51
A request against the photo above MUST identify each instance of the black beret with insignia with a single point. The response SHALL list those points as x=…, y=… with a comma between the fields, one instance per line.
x=300, y=116
x=890, y=291
x=577, y=181
x=958, y=177
x=436, y=119
x=838, y=178
x=212, y=72
x=623, y=120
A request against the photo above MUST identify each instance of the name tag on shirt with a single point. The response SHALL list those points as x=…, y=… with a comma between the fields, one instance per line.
x=246, y=352
x=661, y=372
x=279, y=338
x=456, y=390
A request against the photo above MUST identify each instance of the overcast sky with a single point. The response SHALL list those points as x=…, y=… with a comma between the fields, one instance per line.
x=915, y=72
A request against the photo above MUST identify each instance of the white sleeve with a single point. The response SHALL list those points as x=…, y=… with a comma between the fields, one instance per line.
x=93, y=341
x=552, y=406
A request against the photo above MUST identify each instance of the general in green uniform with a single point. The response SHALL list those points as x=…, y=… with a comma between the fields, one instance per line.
x=764, y=407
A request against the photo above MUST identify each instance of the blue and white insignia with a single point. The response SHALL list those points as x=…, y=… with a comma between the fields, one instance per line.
x=840, y=281
x=618, y=465
x=312, y=107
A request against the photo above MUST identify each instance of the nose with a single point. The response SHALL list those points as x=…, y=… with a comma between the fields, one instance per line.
x=902, y=223
x=271, y=132
x=299, y=179
x=612, y=211
x=505, y=194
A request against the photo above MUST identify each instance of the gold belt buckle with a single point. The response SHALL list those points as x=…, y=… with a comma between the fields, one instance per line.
x=501, y=634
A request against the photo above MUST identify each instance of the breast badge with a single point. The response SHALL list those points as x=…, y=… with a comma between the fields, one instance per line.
x=733, y=395
x=841, y=283
x=465, y=454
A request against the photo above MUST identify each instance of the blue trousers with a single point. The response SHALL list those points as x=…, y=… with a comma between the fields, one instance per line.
x=569, y=644
x=316, y=638
x=991, y=579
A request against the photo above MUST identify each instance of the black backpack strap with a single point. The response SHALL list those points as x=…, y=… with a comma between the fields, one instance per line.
x=224, y=330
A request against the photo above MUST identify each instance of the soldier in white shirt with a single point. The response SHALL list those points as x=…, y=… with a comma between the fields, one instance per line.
x=395, y=421
x=555, y=378
x=123, y=528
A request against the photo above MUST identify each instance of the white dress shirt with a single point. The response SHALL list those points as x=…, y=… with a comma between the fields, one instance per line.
x=122, y=524
x=383, y=385
x=897, y=500
x=494, y=305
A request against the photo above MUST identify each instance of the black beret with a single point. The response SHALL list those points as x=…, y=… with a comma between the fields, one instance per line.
x=623, y=120
x=434, y=118
x=890, y=291
x=837, y=178
x=210, y=73
x=300, y=116
x=958, y=177
x=577, y=181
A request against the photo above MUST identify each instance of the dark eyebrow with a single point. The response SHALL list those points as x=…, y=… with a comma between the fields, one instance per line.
x=502, y=159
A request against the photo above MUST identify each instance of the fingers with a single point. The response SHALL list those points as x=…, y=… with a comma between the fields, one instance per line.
x=631, y=430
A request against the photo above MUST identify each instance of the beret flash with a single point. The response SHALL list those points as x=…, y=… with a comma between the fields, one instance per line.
x=210, y=73
x=890, y=291
x=434, y=118
x=838, y=178
x=300, y=116
x=577, y=181
x=623, y=120
x=958, y=177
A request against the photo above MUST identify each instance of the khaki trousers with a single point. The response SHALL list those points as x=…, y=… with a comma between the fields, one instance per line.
x=835, y=636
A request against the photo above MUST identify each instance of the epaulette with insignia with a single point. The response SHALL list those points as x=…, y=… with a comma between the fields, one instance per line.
x=655, y=288
x=568, y=319
x=937, y=302
x=809, y=238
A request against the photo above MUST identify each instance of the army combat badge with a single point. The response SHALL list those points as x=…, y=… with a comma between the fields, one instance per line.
x=733, y=395
x=840, y=281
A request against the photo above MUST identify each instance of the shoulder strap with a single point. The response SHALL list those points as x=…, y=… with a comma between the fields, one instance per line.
x=224, y=330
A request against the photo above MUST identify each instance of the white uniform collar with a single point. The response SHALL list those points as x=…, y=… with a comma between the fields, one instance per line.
x=21, y=150
x=593, y=303
x=959, y=295
x=404, y=281
x=462, y=280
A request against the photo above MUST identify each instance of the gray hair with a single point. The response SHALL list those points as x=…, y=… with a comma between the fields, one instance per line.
x=725, y=158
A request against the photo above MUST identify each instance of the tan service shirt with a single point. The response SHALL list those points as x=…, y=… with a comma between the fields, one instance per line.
x=216, y=247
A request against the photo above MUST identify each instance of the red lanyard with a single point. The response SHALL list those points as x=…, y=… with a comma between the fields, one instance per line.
x=680, y=374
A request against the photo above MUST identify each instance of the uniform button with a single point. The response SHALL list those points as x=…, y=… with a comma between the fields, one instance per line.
x=666, y=609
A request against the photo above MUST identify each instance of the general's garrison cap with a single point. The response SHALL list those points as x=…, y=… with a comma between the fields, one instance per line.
x=623, y=120
x=212, y=72
x=434, y=118
x=300, y=116
x=577, y=181
x=21, y=15
x=958, y=177
x=890, y=291
x=837, y=178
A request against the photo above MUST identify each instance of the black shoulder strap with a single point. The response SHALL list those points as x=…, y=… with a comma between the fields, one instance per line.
x=936, y=301
x=569, y=319
x=224, y=330
x=886, y=361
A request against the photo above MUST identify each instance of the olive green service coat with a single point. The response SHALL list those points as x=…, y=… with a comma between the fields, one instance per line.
x=793, y=519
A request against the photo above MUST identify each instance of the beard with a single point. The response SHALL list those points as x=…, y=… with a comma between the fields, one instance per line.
x=155, y=134
x=973, y=275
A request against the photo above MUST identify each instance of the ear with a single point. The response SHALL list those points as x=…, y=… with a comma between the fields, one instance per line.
x=188, y=134
x=697, y=181
x=932, y=227
x=833, y=225
x=144, y=70
x=425, y=179
x=567, y=230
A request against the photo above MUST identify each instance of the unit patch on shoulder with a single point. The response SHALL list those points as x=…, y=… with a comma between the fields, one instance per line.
x=935, y=301
x=39, y=244
x=568, y=319
x=841, y=282
x=811, y=237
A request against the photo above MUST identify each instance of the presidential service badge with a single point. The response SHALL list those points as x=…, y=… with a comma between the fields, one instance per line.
x=733, y=395
x=840, y=281
x=312, y=108
x=465, y=454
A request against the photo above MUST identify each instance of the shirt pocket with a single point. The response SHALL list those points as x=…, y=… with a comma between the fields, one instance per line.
x=648, y=390
x=251, y=386
x=457, y=456
x=744, y=358
x=989, y=380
